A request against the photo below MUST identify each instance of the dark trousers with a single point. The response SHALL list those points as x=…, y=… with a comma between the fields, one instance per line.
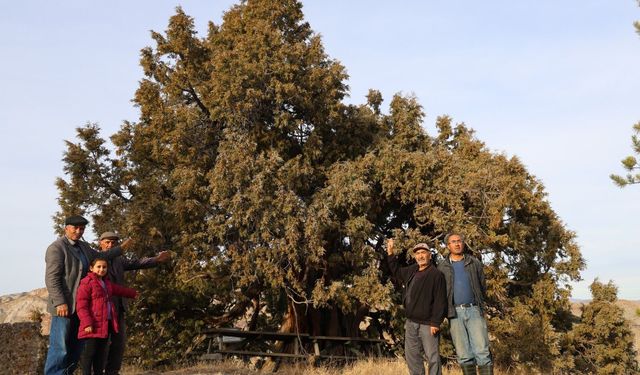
x=116, y=346
x=95, y=351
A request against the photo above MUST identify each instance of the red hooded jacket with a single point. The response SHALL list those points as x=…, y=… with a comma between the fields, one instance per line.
x=91, y=305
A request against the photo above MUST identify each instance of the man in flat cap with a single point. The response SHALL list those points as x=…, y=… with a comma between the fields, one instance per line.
x=116, y=269
x=425, y=303
x=67, y=262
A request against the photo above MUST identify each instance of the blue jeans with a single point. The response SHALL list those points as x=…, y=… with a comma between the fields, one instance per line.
x=64, y=346
x=418, y=337
x=470, y=336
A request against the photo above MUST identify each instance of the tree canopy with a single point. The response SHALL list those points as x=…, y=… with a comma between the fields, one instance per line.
x=276, y=196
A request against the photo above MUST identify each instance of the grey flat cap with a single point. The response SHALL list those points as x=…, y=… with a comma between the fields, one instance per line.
x=111, y=235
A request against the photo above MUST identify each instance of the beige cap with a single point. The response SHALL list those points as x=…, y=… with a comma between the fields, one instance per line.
x=421, y=245
x=110, y=235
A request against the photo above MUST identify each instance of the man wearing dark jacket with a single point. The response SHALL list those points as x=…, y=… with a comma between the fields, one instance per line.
x=116, y=269
x=425, y=303
x=466, y=291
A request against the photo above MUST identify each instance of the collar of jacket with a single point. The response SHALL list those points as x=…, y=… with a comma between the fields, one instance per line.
x=466, y=259
x=93, y=276
x=70, y=241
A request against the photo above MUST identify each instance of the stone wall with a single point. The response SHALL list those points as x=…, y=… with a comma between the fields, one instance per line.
x=22, y=348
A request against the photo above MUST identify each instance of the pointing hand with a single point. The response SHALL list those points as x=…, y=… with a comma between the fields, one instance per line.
x=163, y=256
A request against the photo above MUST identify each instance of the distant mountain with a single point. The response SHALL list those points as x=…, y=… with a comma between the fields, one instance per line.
x=20, y=307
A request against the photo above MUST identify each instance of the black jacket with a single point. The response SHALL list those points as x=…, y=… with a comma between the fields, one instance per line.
x=474, y=269
x=428, y=300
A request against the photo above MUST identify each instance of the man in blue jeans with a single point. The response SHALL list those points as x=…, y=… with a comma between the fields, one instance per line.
x=67, y=262
x=425, y=305
x=466, y=293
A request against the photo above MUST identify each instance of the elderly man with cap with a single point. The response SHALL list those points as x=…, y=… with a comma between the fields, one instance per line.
x=116, y=269
x=67, y=262
x=425, y=302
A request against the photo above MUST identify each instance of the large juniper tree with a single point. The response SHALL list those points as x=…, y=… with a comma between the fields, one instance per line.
x=276, y=195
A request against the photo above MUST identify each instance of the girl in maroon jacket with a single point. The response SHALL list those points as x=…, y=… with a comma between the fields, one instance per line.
x=97, y=314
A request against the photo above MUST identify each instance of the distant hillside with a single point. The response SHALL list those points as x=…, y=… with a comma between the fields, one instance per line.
x=19, y=307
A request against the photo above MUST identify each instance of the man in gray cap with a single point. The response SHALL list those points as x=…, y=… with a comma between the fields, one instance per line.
x=116, y=269
x=67, y=262
x=425, y=303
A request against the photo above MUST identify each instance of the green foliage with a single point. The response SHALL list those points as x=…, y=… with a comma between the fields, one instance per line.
x=603, y=340
x=630, y=163
x=531, y=336
x=276, y=196
x=36, y=315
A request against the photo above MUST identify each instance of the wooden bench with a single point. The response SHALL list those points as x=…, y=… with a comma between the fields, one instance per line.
x=221, y=335
x=334, y=341
x=220, y=339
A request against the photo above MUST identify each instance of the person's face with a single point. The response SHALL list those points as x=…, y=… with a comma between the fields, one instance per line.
x=108, y=243
x=74, y=232
x=455, y=245
x=99, y=268
x=422, y=257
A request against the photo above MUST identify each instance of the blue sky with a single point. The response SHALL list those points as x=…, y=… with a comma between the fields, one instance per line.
x=550, y=82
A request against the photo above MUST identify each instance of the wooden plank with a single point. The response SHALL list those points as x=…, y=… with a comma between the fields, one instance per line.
x=211, y=357
x=340, y=338
x=339, y=357
x=222, y=336
x=255, y=334
x=283, y=335
x=262, y=354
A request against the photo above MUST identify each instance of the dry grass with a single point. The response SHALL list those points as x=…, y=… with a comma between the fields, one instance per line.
x=237, y=367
